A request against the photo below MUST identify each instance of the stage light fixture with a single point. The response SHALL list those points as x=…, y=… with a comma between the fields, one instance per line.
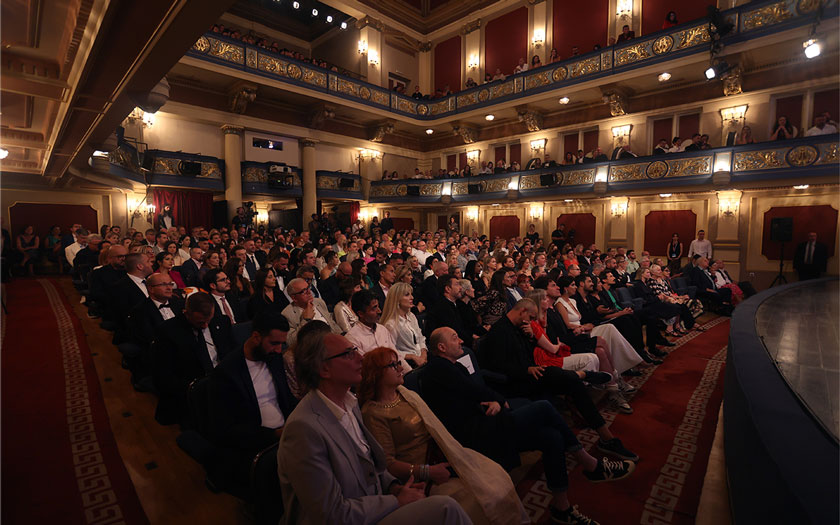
x=717, y=70
x=564, y=100
x=344, y=25
x=3, y=153
x=812, y=48
x=429, y=131
x=314, y=12
x=489, y=117
x=296, y=5
x=329, y=19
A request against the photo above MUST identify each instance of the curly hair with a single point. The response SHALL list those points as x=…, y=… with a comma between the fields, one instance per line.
x=373, y=366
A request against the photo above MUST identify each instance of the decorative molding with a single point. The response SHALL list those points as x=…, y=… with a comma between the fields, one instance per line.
x=616, y=101
x=307, y=143
x=469, y=27
x=320, y=115
x=469, y=134
x=372, y=22
x=532, y=119
x=229, y=129
x=732, y=82
x=425, y=47
x=377, y=133
x=240, y=95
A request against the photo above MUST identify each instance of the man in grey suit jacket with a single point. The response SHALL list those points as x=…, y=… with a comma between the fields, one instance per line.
x=331, y=468
x=305, y=308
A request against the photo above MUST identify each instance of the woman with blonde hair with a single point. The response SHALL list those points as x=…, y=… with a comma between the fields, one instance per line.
x=417, y=445
x=398, y=319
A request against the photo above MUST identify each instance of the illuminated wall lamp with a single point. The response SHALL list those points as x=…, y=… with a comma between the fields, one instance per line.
x=536, y=212
x=728, y=202
x=363, y=47
x=621, y=131
x=472, y=213
x=732, y=116
x=623, y=8
x=473, y=155
x=473, y=62
x=537, y=145
x=370, y=154
x=618, y=209
x=539, y=38
x=373, y=57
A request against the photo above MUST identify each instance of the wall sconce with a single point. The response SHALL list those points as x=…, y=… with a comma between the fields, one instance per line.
x=723, y=161
x=619, y=208
x=539, y=38
x=513, y=185
x=370, y=154
x=473, y=155
x=537, y=145
x=473, y=63
x=373, y=57
x=446, y=189
x=472, y=213
x=601, y=174
x=536, y=211
x=623, y=8
x=621, y=131
x=363, y=47
x=732, y=116
x=138, y=116
x=729, y=202
x=142, y=210
x=262, y=217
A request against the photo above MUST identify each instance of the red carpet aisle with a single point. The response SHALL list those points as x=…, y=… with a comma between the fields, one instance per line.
x=671, y=429
x=60, y=461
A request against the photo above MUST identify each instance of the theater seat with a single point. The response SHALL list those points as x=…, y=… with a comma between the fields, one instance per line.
x=412, y=381
x=240, y=332
x=681, y=286
x=626, y=299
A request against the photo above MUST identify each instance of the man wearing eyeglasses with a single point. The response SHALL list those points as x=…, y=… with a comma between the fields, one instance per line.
x=304, y=308
x=332, y=469
x=218, y=283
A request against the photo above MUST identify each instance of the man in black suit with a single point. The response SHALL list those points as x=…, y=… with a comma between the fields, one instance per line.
x=187, y=347
x=380, y=256
x=129, y=291
x=387, y=223
x=449, y=312
x=252, y=258
x=141, y=324
x=250, y=402
x=706, y=287
x=329, y=287
x=104, y=278
x=380, y=288
x=810, y=258
x=429, y=295
x=189, y=270
x=227, y=304
x=695, y=143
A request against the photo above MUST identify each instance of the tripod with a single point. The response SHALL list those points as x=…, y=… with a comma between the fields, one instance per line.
x=780, y=279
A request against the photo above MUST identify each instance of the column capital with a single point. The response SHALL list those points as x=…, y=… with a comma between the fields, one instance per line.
x=308, y=143
x=229, y=129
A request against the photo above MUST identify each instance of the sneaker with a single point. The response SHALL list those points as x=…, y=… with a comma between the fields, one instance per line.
x=609, y=470
x=597, y=378
x=613, y=447
x=620, y=403
x=625, y=387
x=570, y=516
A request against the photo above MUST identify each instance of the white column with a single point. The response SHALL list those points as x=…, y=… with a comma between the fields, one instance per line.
x=310, y=184
x=233, y=168
x=424, y=71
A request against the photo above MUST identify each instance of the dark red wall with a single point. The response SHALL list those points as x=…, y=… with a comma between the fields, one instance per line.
x=654, y=11
x=448, y=64
x=462, y=159
x=790, y=107
x=582, y=223
x=500, y=153
x=582, y=25
x=43, y=216
x=688, y=126
x=515, y=154
x=662, y=130
x=821, y=219
x=660, y=225
x=827, y=101
x=450, y=162
x=590, y=140
x=505, y=226
x=570, y=145
x=506, y=41
x=403, y=223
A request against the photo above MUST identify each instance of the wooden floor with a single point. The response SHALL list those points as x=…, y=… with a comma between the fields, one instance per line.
x=169, y=483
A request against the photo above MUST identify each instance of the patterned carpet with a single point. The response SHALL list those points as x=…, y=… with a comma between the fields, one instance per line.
x=60, y=460
x=671, y=429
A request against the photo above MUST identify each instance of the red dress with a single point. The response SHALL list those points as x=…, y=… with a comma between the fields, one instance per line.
x=543, y=357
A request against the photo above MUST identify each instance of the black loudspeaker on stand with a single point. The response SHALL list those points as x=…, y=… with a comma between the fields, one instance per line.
x=781, y=230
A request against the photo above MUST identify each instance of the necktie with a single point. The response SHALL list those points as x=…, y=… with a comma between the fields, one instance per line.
x=203, y=353
x=810, y=253
x=227, y=310
x=164, y=305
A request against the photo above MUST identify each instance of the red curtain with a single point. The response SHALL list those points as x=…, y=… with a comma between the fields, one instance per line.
x=515, y=154
x=504, y=226
x=590, y=140
x=661, y=225
x=354, y=211
x=688, y=126
x=821, y=219
x=189, y=208
x=582, y=223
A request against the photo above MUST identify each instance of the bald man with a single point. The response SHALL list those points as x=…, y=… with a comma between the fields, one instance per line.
x=104, y=278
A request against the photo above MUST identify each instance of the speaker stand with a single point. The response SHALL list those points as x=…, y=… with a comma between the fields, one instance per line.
x=780, y=279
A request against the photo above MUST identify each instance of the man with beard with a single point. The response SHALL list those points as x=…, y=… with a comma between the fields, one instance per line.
x=250, y=401
x=103, y=279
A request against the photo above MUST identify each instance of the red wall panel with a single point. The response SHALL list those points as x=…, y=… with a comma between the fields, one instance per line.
x=654, y=11
x=504, y=226
x=576, y=25
x=821, y=219
x=582, y=223
x=590, y=140
x=662, y=129
x=688, y=126
x=570, y=145
x=506, y=41
x=448, y=64
x=403, y=223
x=462, y=159
x=500, y=153
x=450, y=162
x=790, y=107
x=44, y=216
x=515, y=154
x=827, y=101
x=660, y=225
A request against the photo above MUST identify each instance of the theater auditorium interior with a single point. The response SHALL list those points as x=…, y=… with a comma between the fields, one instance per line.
x=420, y=261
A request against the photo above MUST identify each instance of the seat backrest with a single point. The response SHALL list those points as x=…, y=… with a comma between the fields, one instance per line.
x=240, y=332
x=679, y=283
x=412, y=381
x=625, y=296
x=198, y=396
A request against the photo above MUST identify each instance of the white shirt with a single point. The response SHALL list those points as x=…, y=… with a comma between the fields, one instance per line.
x=270, y=414
x=347, y=419
x=405, y=331
x=167, y=312
x=140, y=282
x=828, y=129
x=703, y=248
x=221, y=302
x=366, y=339
x=211, y=347
x=421, y=256
x=344, y=317
x=71, y=251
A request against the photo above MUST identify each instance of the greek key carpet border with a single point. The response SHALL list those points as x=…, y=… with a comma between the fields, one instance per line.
x=99, y=500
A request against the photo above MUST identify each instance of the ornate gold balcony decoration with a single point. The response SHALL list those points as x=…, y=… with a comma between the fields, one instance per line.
x=422, y=109
x=529, y=182
x=496, y=185
x=430, y=190
x=578, y=177
x=468, y=99
x=440, y=107
x=483, y=95
x=656, y=169
x=202, y=45
x=255, y=174
x=760, y=160
x=316, y=78
x=403, y=104
x=802, y=156
x=606, y=60
x=627, y=172
x=384, y=191
x=689, y=167
x=628, y=55
x=169, y=166
x=534, y=81
x=251, y=58
x=692, y=37
x=559, y=74
x=585, y=67
x=460, y=188
x=380, y=97
x=501, y=90
x=767, y=15
x=828, y=153
x=663, y=44
x=326, y=182
x=806, y=6
x=271, y=65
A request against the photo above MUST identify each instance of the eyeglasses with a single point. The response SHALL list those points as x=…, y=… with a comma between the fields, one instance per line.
x=169, y=284
x=301, y=291
x=395, y=365
x=226, y=279
x=347, y=353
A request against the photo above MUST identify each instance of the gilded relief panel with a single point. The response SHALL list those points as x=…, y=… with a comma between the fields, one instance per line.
x=540, y=79
x=501, y=90
x=271, y=64
x=254, y=174
x=383, y=191
x=585, y=67
x=690, y=167
x=228, y=52
x=765, y=16
x=467, y=100
x=496, y=184
x=828, y=153
x=627, y=172
x=760, y=160
x=529, y=182
x=631, y=54
x=692, y=37
x=573, y=178
x=460, y=188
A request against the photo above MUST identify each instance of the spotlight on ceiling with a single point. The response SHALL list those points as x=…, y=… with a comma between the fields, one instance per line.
x=329, y=19
x=568, y=200
x=717, y=70
x=812, y=48
x=3, y=153
x=664, y=77
x=664, y=195
x=344, y=25
x=296, y=5
x=799, y=187
x=429, y=131
x=489, y=117
x=314, y=12
x=564, y=100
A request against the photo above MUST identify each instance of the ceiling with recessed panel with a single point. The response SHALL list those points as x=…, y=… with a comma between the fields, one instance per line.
x=282, y=16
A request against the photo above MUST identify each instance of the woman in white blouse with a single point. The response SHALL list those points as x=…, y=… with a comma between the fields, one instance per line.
x=345, y=318
x=397, y=317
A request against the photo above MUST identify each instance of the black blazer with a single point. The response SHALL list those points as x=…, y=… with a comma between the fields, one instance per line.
x=261, y=257
x=178, y=359
x=330, y=291
x=235, y=418
x=144, y=319
x=189, y=273
x=238, y=308
x=123, y=297
x=258, y=303
x=428, y=291
x=379, y=293
x=444, y=313
x=819, y=259
x=102, y=280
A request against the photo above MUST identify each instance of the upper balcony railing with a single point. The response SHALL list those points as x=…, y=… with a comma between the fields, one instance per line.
x=749, y=20
x=811, y=157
